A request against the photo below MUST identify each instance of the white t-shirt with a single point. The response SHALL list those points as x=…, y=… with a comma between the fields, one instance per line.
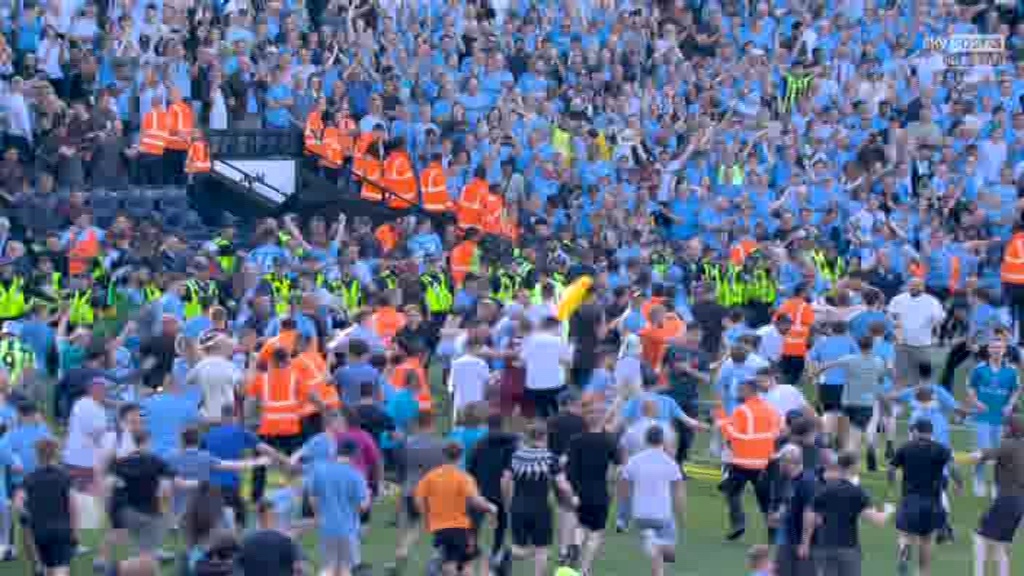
x=87, y=429
x=785, y=399
x=468, y=379
x=917, y=316
x=218, y=378
x=543, y=354
x=652, y=473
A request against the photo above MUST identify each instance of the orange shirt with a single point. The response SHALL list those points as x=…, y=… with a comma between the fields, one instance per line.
x=444, y=492
x=387, y=322
x=278, y=392
x=655, y=339
x=463, y=261
x=286, y=340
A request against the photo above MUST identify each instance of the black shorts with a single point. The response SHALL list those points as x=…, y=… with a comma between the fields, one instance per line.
x=1000, y=522
x=456, y=545
x=532, y=528
x=593, y=515
x=919, y=515
x=55, y=548
x=859, y=416
x=830, y=398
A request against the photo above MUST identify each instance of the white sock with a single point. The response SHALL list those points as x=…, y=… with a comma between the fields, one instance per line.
x=980, y=553
x=1004, y=561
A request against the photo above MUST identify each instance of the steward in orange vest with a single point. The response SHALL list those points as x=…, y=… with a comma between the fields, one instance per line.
x=155, y=129
x=198, y=159
x=469, y=210
x=1011, y=271
x=492, y=212
x=331, y=154
x=465, y=257
x=368, y=163
x=182, y=122
x=751, y=431
x=410, y=374
x=399, y=179
x=434, y=187
x=312, y=134
x=794, y=344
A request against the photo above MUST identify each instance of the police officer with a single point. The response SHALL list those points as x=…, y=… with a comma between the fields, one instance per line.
x=201, y=290
x=14, y=298
x=222, y=247
x=18, y=359
x=438, y=297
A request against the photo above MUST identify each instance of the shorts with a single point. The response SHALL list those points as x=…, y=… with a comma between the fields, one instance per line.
x=532, y=528
x=830, y=397
x=339, y=553
x=920, y=516
x=456, y=545
x=859, y=416
x=593, y=516
x=148, y=530
x=55, y=548
x=988, y=436
x=660, y=533
x=1000, y=522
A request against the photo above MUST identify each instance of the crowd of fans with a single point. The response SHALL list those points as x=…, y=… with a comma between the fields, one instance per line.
x=621, y=211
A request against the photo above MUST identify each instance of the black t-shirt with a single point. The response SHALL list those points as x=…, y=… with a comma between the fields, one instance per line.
x=491, y=456
x=801, y=497
x=268, y=553
x=138, y=481
x=590, y=456
x=583, y=331
x=374, y=421
x=683, y=387
x=709, y=315
x=840, y=503
x=533, y=471
x=561, y=430
x=923, y=462
x=48, y=499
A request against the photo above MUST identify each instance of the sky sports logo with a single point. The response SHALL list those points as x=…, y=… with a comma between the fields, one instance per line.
x=969, y=50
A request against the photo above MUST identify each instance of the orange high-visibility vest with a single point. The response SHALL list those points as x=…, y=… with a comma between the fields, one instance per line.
x=434, y=189
x=400, y=376
x=312, y=375
x=751, y=431
x=373, y=171
x=311, y=135
x=802, y=315
x=278, y=394
x=82, y=252
x=386, y=322
x=918, y=270
x=400, y=180
x=470, y=206
x=1011, y=271
x=182, y=123
x=329, y=148
x=361, y=156
x=739, y=252
x=387, y=235
x=198, y=159
x=347, y=132
x=492, y=213
x=155, y=132
x=463, y=261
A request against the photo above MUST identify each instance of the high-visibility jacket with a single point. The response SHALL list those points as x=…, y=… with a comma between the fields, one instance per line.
x=1011, y=271
x=469, y=210
x=198, y=159
x=400, y=378
x=347, y=132
x=465, y=258
x=312, y=374
x=81, y=312
x=154, y=132
x=329, y=148
x=739, y=252
x=434, y=189
x=373, y=171
x=386, y=322
x=278, y=393
x=312, y=134
x=181, y=123
x=955, y=271
x=387, y=235
x=751, y=431
x=492, y=217
x=400, y=180
x=361, y=155
x=12, y=299
x=84, y=250
x=802, y=315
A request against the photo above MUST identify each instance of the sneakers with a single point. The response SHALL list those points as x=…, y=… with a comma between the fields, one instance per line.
x=903, y=561
x=946, y=535
x=621, y=527
x=980, y=490
x=8, y=555
x=736, y=534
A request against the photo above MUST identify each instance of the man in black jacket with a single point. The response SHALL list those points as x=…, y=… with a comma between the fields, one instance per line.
x=491, y=456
